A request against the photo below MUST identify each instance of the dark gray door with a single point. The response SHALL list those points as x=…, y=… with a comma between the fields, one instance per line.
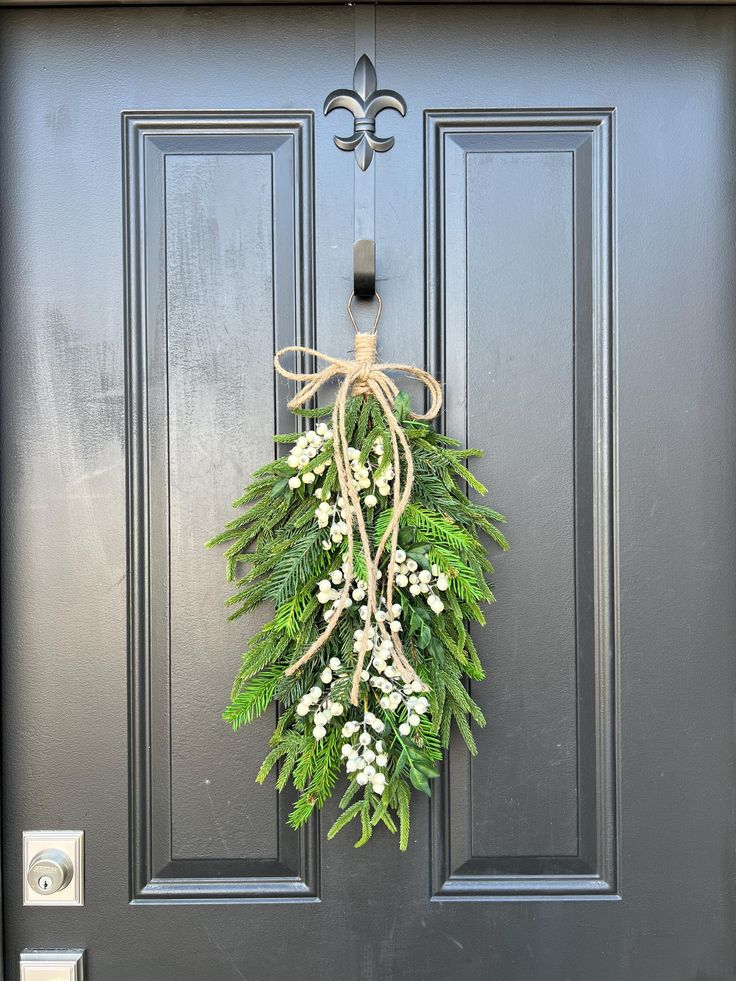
x=555, y=231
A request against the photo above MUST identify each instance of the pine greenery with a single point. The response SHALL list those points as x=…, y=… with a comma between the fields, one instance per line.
x=275, y=554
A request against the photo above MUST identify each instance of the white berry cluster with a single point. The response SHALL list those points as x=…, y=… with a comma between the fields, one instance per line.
x=319, y=703
x=304, y=451
x=331, y=514
x=393, y=694
x=329, y=596
x=365, y=758
x=363, y=474
x=390, y=617
x=421, y=582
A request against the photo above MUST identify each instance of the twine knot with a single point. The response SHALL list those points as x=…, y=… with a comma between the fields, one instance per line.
x=364, y=376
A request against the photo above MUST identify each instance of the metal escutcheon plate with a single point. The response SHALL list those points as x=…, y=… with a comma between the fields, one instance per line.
x=53, y=868
x=52, y=965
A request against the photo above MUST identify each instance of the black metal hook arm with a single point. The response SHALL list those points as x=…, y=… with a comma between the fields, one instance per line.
x=364, y=267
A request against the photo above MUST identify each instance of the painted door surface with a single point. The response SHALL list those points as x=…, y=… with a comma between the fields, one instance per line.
x=555, y=230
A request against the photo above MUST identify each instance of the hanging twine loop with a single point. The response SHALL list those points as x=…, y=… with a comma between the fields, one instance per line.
x=364, y=376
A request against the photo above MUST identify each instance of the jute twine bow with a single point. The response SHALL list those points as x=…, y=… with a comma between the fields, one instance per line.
x=364, y=376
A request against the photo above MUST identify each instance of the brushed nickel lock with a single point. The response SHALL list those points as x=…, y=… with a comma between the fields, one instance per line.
x=53, y=864
x=50, y=871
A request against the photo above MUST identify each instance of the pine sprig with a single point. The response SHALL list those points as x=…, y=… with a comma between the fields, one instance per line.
x=252, y=699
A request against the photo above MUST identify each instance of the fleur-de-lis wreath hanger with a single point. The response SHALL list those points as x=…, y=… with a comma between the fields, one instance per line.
x=365, y=102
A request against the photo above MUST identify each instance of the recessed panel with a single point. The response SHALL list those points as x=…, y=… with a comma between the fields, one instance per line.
x=219, y=291
x=520, y=308
x=520, y=329
x=219, y=210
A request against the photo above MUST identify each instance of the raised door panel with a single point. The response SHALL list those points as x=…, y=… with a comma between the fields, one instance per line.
x=520, y=308
x=219, y=217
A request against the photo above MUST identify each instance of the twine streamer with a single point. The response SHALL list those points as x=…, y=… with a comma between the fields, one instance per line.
x=364, y=376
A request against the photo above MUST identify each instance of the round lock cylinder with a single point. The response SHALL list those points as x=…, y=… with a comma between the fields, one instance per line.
x=50, y=871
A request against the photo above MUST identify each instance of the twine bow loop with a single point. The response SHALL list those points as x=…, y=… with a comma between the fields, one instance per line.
x=364, y=376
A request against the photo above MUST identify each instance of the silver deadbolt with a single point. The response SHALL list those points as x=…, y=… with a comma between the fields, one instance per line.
x=53, y=868
x=50, y=871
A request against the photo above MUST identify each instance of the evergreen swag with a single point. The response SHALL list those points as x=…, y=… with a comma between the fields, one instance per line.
x=292, y=537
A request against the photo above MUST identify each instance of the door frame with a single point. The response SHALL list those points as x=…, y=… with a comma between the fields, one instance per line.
x=216, y=3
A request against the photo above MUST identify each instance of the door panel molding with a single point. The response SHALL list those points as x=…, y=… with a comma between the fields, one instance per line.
x=166, y=226
x=457, y=143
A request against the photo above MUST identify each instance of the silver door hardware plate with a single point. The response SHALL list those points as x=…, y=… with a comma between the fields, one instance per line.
x=52, y=965
x=53, y=869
